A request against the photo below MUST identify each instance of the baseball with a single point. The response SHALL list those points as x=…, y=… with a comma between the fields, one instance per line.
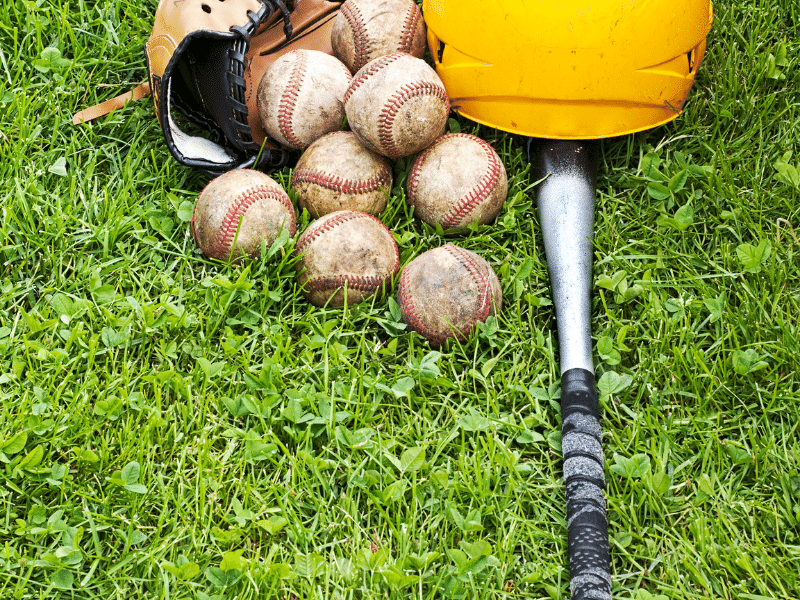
x=338, y=173
x=444, y=292
x=345, y=254
x=368, y=29
x=397, y=105
x=456, y=181
x=300, y=97
x=237, y=211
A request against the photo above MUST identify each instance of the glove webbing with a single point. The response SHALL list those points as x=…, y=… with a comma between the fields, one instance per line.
x=235, y=76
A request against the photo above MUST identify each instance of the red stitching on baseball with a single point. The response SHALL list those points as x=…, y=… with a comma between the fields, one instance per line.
x=310, y=234
x=340, y=184
x=413, y=176
x=289, y=99
x=356, y=214
x=222, y=244
x=482, y=189
x=317, y=229
x=377, y=65
x=362, y=44
x=409, y=26
x=362, y=283
x=408, y=311
x=484, y=303
x=347, y=71
x=393, y=106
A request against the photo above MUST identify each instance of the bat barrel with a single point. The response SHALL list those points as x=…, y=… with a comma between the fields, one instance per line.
x=566, y=210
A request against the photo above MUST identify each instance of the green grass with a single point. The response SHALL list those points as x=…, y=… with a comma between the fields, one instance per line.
x=175, y=428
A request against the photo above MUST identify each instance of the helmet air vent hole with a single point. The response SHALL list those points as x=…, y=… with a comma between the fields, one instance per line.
x=440, y=51
x=206, y=8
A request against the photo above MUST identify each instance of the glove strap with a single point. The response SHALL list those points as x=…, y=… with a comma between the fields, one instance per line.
x=104, y=108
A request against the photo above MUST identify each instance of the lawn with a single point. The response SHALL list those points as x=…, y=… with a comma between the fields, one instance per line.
x=173, y=427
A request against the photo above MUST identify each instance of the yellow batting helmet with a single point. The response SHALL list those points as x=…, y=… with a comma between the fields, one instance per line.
x=568, y=69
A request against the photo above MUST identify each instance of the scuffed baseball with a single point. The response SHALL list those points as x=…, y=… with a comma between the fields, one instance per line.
x=444, y=292
x=457, y=180
x=397, y=105
x=300, y=97
x=368, y=29
x=337, y=172
x=345, y=254
x=238, y=211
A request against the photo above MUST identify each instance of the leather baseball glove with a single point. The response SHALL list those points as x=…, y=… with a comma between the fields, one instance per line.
x=205, y=59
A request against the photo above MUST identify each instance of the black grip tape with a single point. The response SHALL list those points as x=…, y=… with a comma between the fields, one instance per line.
x=584, y=478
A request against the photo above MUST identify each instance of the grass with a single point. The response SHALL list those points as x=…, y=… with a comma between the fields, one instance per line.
x=171, y=427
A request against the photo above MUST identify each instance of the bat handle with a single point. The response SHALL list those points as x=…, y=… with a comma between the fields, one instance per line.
x=584, y=478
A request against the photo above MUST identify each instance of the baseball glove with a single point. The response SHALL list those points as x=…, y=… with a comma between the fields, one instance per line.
x=205, y=59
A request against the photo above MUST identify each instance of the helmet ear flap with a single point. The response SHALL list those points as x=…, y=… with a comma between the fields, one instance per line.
x=578, y=69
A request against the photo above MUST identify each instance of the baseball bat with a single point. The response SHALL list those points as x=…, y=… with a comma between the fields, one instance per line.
x=566, y=209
